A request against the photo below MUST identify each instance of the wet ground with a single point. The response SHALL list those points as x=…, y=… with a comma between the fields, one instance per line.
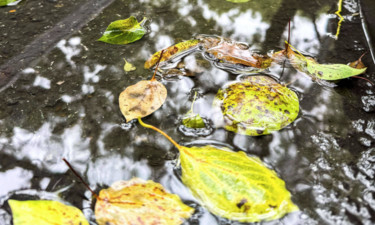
x=59, y=91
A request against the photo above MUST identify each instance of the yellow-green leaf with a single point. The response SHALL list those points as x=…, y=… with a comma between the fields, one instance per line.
x=142, y=99
x=257, y=105
x=192, y=120
x=123, y=31
x=128, y=66
x=8, y=2
x=45, y=212
x=234, y=185
x=139, y=202
x=171, y=52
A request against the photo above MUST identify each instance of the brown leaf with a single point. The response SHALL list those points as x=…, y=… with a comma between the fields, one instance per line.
x=142, y=99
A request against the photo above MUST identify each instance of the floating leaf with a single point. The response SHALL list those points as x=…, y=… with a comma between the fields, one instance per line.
x=176, y=50
x=123, y=31
x=321, y=71
x=232, y=184
x=44, y=212
x=138, y=202
x=128, y=66
x=142, y=99
x=227, y=50
x=7, y=2
x=257, y=105
x=191, y=119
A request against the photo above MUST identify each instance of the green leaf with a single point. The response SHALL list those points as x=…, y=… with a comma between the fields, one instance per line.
x=44, y=212
x=193, y=121
x=6, y=2
x=233, y=185
x=123, y=31
x=257, y=105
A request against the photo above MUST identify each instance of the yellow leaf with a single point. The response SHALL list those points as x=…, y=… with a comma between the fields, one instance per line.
x=138, y=202
x=128, y=66
x=45, y=212
x=142, y=99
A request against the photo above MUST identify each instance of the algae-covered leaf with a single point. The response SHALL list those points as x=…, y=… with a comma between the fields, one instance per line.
x=171, y=52
x=138, y=202
x=257, y=105
x=128, y=66
x=123, y=31
x=8, y=2
x=45, y=212
x=321, y=71
x=142, y=99
x=233, y=185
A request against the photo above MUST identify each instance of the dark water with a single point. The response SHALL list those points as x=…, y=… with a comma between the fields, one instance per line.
x=64, y=103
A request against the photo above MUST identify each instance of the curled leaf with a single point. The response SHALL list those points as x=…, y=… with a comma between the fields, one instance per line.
x=123, y=31
x=138, y=202
x=128, y=66
x=173, y=51
x=233, y=185
x=44, y=212
x=142, y=99
x=257, y=105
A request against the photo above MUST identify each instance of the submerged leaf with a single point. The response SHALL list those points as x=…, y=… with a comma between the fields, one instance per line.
x=128, y=66
x=257, y=106
x=123, y=31
x=321, y=71
x=171, y=52
x=142, y=99
x=138, y=202
x=7, y=2
x=233, y=185
x=44, y=212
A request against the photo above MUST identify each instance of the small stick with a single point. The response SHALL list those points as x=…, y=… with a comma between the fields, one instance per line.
x=79, y=177
x=157, y=65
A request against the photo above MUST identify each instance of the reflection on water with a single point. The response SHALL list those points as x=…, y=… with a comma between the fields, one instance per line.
x=66, y=106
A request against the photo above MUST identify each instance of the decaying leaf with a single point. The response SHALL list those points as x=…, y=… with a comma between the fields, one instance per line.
x=321, y=71
x=45, y=212
x=232, y=184
x=123, y=31
x=257, y=105
x=128, y=66
x=227, y=50
x=142, y=99
x=8, y=2
x=173, y=51
x=139, y=202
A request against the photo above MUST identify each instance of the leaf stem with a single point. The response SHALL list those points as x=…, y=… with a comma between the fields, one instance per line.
x=160, y=131
x=192, y=104
x=341, y=18
x=79, y=177
x=157, y=65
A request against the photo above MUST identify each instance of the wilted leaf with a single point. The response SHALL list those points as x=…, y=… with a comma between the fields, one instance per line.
x=257, y=105
x=142, y=99
x=123, y=31
x=138, y=202
x=128, y=66
x=233, y=185
x=7, y=2
x=227, y=50
x=171, y=52
x=44, y=212
x=321, y=71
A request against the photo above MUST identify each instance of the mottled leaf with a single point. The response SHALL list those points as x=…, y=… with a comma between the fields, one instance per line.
x=7, y=2
x=44, y=212
x=142, y=99
x=233, y=185
x=128, y=66
x=229, y=51
x=139, y=202
x=123, y=31
x=172, y=52
x=257, y=105
x=321, y=71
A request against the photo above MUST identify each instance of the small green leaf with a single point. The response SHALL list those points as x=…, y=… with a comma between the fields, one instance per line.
x=128, y=66
x=193, y=121
x=6, y=2
x=257, y=105
x=44, y=212
x=234, y=185
x=123, y=31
